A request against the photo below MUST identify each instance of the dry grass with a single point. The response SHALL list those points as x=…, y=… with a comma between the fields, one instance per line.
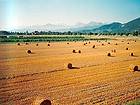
x=100, y=79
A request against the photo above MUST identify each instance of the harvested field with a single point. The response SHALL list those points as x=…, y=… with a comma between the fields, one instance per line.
x=25, y=79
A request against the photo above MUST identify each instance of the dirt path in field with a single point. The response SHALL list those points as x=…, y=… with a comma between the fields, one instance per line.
x=26, y=79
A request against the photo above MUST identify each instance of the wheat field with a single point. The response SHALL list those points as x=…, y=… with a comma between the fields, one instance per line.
x=27, y=79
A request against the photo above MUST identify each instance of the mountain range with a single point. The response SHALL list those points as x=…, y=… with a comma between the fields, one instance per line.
x=94, y=27
x=60, y=27
x=130, y=26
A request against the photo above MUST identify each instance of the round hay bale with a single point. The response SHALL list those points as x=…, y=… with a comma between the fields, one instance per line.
x=135, y=41
x=67, y=43
x=74, y=51
x=93, y=46
x=84, y=44
x=79, y=51
x=18, y=44
x=69, y=66
x=128, y=43
x=29, y=51
x=126, y=48
x=102, y=44
x=27, y=43
x=116, y=44
x=46, y=102
x=48, y=44
x=108, y=42
x=134, y=67
x=37, y=44
x=114, y=51
x=89, y=42
x=109, y=54
x=131, y=54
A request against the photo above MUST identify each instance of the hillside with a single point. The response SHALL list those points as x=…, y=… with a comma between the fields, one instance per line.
x=130, y=26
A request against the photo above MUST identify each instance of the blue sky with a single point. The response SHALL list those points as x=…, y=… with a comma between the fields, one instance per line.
x=15, y=13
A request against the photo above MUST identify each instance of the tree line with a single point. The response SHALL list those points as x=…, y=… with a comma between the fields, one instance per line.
x=136, y=33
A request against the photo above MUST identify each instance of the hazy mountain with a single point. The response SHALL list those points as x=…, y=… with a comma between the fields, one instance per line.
x=131, y=26
x=59, y=27
x=47, y=27
x=87, y=26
